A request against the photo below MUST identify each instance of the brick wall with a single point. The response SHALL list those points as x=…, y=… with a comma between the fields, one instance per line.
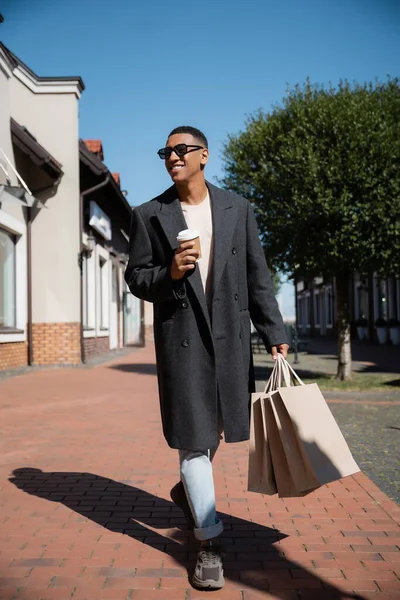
x=13, y=355
x=56, y=343
x=95, y=346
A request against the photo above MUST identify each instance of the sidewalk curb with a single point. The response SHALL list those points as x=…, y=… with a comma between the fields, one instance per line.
x=96, y=361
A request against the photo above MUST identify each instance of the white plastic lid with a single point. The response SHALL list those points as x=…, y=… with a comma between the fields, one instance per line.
x=187, y=234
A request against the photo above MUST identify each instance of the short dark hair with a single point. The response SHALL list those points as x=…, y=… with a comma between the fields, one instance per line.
x=196, y=133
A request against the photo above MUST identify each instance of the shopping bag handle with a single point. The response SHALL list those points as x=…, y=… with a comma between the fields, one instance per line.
x=274, y=380
x=282, y=372
x=289, y=374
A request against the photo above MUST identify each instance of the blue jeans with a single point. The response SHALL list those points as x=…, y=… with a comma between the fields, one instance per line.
x=198, y=481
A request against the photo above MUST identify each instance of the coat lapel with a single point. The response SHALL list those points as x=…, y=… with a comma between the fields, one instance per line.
x=224, y=220
x=172, y=221
x=171, y=216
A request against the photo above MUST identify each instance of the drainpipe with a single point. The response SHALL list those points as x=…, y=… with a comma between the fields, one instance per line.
x=81, y=197
x=29, y=278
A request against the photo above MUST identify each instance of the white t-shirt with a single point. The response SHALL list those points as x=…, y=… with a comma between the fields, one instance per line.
x=199, y=216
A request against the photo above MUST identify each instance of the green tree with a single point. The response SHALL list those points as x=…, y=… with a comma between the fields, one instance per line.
x=322, y=171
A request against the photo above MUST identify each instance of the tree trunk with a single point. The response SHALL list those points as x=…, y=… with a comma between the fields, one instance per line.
x=343, y=319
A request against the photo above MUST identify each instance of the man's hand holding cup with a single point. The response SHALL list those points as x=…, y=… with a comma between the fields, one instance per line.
x=187, y=254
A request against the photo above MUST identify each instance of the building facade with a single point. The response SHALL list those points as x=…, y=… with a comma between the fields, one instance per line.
x=374, y=307
x=40, y=288
x=62, y=295
x=111, y=316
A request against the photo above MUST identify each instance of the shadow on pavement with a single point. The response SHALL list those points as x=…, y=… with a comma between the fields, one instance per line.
x=378, y=358
x=261, y=373
x=394, y=383
x=122, y=508
x=140, y=368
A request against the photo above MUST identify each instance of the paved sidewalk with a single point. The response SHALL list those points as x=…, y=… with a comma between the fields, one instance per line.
x=85, y=479
x=321, y=357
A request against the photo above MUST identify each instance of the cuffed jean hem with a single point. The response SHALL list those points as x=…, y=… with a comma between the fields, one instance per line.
x=208, y=533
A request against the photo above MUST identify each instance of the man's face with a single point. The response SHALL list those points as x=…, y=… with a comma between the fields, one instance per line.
x=184, y=168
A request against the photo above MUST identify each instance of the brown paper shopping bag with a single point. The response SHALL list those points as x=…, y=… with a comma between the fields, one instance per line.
x=315, y=448
x=261, y=476
x=285, y=485
x=297, y=476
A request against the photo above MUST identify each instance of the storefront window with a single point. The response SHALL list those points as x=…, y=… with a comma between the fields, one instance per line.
x=85, y=294
x=103, y=293
x=7, y=279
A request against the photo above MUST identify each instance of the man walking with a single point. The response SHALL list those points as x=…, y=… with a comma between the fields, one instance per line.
x=202, y=314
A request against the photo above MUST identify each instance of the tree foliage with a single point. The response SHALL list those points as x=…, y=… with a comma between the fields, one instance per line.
x=323, y=173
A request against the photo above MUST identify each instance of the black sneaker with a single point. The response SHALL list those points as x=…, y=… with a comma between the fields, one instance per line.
x=178, y=496
x=209, y=572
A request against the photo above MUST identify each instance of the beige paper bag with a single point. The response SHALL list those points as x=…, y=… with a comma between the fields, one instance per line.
x=284, y=481
x=261, y=476
x=301, y=477
x=295, y=445
x=316, y=450
x=324, y=451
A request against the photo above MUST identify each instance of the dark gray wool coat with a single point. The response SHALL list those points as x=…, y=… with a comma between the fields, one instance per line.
x=203, y=357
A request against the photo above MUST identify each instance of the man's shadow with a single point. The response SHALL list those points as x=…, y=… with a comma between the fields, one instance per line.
x=125, y=509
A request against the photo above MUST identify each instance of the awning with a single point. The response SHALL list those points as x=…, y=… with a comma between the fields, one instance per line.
x=26, y=142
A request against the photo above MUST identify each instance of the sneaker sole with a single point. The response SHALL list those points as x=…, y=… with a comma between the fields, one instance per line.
x=208, y=583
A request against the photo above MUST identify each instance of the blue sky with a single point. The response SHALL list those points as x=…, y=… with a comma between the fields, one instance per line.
x=150, y=66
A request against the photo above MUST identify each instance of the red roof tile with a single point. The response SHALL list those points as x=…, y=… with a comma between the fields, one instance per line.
x=117, y=178
x=96, y=147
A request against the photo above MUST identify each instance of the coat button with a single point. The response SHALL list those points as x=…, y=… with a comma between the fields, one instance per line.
x=184, y=305
x=233, y=250
x=185, y=344
x=236, y=296
x=240, y=335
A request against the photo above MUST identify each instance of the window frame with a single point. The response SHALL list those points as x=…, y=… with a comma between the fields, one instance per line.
x=88, y=291
x=102, y=292
x=13, y=239
x=17, y=228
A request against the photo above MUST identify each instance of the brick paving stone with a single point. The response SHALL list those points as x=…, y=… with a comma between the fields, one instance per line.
x=85, y=486
x=92, y=593
x=367, y=574
x=281, y=595
x=161, y=594
x=133, y=583
x=174, y=582
x=44, y=594
x=380, y=596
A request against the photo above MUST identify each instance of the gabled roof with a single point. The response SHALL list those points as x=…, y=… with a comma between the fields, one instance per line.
x=27, y=143
x=99, y=168
x=96, y=147
x=91, y=160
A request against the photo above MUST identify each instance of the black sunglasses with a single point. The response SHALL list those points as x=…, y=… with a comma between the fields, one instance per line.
x=180, y=150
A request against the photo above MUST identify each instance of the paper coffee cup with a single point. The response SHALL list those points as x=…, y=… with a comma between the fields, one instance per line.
x=188, y=235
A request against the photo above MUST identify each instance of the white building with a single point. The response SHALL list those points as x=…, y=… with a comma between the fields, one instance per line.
x=43, y=232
